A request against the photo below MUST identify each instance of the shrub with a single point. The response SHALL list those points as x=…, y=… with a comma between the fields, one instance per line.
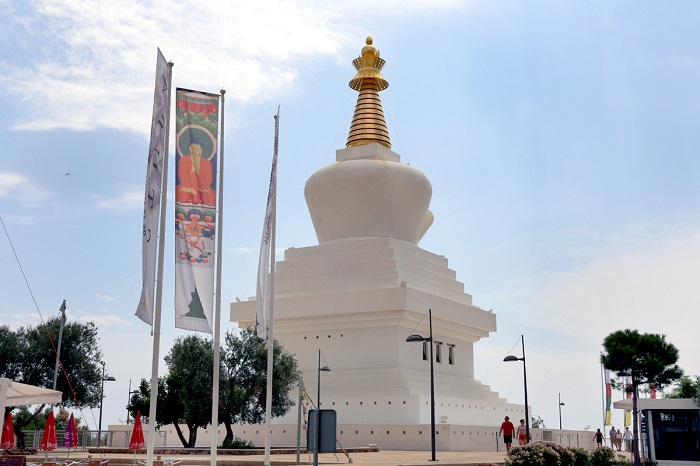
x=566, y=456
x=581, y=457
x=237, y=443
x=602, y=456
x=533, y=454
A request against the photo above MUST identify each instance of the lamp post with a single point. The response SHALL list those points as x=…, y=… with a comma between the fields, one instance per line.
x=102, y=396
x=416, y=337
x=128, y=401
x=511, y=358
x=317, y=421
x=560, y=405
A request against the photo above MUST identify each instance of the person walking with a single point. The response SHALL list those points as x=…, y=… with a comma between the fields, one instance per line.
x=507, y=429
x=522, y=433
x=627, y=437
x=598, y=437
x=618, y=440
x=613, y=434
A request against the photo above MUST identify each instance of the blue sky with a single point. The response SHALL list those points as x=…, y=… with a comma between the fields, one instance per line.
x=561, y=140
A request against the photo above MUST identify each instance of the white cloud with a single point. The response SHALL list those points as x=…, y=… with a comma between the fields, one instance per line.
x=105, y=297
x=18, y=188
x=126, y=201
x=96, y=66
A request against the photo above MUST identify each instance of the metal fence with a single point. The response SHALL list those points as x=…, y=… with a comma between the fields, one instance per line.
x=86, y=439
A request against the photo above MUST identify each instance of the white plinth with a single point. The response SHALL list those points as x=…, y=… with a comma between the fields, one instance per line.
x=357, y=299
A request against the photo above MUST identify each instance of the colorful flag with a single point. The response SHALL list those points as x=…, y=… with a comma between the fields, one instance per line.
x=195, y=208
x=263, y=310
x=157, y=152
x=608, y=398
x=652, y=390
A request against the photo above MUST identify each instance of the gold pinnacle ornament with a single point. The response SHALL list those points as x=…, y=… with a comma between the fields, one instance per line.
x=368, y=124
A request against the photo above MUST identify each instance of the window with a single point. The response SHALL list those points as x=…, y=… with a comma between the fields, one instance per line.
x=425, y=351
x=451, y=355
x=438, y=352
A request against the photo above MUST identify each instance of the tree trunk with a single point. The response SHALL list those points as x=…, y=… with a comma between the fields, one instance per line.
x=635, y=433
x=180, y=434
x=229, y=431
x=193, y=437
x=18, y=427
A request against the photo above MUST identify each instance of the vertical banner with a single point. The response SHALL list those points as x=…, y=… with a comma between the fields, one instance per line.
x=261, y=292
x=608, y=398
x=195, y=208
x=154, y=185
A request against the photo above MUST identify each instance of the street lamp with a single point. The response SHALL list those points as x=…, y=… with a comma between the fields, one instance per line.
x=511, y=358
x=416, y=337
x=317, y=421
x=128, y=401
x=560, y=405
x=102, y=396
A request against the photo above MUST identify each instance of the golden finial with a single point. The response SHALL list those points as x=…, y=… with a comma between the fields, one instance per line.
x=368, y=124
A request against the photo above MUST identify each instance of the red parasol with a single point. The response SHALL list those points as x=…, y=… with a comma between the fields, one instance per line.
x=137, y=442
x=48, y=440
x=8, y=434
x=70, y=438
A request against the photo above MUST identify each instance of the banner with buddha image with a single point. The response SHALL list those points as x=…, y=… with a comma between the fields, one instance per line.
x=196, y=143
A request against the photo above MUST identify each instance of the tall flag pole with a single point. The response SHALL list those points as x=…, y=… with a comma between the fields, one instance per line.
x=196, y=146
x=155, y=202
x=628, y=394
x=265, y=292
x=217, y=314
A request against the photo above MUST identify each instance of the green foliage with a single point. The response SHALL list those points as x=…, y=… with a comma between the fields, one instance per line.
x=602, y=456
x=566, y=456
x=27, y=356
x=237, y=443
x=647, y=358
x=685, y=387
x=649, y=462
x=581, y=456
x=534, y=454
x=243, y=389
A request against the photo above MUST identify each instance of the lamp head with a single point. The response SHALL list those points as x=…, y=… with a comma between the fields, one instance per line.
x=416, y=337
x=325, y=369
x=110, y=379
x=511, y=358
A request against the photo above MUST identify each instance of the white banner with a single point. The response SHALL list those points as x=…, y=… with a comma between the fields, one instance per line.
x=154, y=185
x=262, y=292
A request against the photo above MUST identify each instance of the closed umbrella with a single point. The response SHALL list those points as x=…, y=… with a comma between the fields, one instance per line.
x=48, y=440
x=8, y=434
x=137, y=442
x=70, y=438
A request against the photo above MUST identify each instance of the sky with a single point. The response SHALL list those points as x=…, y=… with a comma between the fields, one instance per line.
x=561, y=139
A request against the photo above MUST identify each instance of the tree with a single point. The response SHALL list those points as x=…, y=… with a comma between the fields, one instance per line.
x=27, y=355
x=686, y=387
x=189, y=381
x=243, y=387
x=645, y=359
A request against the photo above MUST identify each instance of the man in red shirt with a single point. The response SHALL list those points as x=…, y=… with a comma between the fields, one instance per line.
x=507, y=429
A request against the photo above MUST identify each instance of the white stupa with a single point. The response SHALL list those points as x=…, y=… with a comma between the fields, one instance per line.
x=365, y=287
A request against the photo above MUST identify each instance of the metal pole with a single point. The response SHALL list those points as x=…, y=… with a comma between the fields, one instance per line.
x=102, y=397
x=299, y=401
x=432, y=389
x=62, y=310
x=527, y=412
x=560, y=411
x=317, y=423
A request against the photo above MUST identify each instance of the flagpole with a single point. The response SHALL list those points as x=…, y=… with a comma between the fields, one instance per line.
x=159, y=288
x=271, y=307
x=217, y=317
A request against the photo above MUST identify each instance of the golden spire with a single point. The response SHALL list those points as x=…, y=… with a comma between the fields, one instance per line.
x=368, y=124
